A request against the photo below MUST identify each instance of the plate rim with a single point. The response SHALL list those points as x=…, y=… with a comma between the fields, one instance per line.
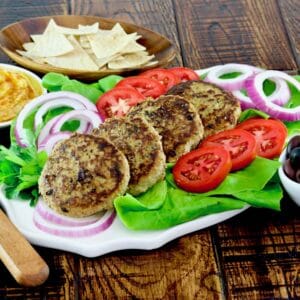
x=131, y=240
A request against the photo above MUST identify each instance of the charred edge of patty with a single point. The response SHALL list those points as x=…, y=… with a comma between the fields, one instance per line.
x=70, y=183
x=141, y=144
x=219, y=113
x=176, y=120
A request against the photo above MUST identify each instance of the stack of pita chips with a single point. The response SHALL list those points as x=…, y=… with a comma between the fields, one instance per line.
x=87, y=48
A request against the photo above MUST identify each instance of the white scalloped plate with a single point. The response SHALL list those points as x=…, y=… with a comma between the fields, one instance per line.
x=116, y=237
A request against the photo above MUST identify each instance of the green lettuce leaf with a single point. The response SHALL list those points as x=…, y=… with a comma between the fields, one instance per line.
x=166, y=205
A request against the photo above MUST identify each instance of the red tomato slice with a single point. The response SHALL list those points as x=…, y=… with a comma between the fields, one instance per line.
x=185, y=74
x=241, y=145
x=270, y=135
x=146, y=86
x=165, y=77
x=118, y=101
x=203, y=169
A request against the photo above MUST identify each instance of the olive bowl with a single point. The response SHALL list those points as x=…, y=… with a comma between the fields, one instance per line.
x=291, y=187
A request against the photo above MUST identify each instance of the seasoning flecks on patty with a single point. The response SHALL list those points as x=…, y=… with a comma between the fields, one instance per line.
x=142, y=147
x=83, y=175
x=218, y=109
x=176, y=121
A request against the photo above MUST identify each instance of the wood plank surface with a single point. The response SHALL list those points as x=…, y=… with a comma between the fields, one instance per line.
x=291, y=18
x=61, y=283
x=157, y=274
x=260, y=254
x=220, y=31
x=154, y=14
x=184, y=268
x=253, y=256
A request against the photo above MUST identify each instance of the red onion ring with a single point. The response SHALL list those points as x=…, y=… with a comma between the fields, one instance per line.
x=206, y=70
x=50, y=141
x=233, y=83
x=74, y=232
x=38, y=119
x=87, y=115
x=254, y=87
x=51, y=216
x=245, y=101
x=32, y=105
x=280, y=96
x=47, y=129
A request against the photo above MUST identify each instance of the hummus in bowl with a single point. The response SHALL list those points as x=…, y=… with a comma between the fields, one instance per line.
x=17, y=87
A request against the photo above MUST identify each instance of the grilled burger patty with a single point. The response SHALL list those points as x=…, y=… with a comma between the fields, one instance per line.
x=176, y=121
x=218, y=109
x=142, y=147
x=83, y=175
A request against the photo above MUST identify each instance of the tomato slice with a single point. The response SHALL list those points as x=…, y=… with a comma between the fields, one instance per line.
x=184, y=73
x=270, y=135
x=165, y=77
x=240, y=143
x=203, y=169
x=146, y=86
x=118, y=101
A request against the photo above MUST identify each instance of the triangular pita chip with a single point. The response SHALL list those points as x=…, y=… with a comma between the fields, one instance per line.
x=130, y=60
x=51, y=44
x=78, y=59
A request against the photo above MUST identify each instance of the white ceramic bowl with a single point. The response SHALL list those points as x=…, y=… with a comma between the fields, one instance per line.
x=24, y=71
x=291, y=186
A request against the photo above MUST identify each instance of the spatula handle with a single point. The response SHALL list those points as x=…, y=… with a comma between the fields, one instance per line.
x=20, y=258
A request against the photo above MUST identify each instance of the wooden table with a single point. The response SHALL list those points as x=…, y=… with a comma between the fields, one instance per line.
x=252, y=256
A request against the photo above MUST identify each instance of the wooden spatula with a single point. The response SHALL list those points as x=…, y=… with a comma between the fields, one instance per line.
x=22, y=261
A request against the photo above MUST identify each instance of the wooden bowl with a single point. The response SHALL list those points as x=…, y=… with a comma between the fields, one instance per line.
x=13, y=36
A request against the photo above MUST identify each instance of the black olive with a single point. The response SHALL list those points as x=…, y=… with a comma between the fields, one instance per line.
x=297, y=176
x=288, y=169
x=295, y=158
x=293, y=143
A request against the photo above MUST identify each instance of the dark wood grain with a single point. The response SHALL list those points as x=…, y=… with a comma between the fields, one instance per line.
x=61, y=283
x=219, y=31
x=184, y=268
x=252, y=256
x=291, y=18
x=14, y=11
x=13, y=37
x=260, y=254
x=156, y=15
x=164, y=275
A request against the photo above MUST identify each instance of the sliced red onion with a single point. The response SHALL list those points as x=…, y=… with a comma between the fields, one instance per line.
x=282, y=93
x=50, y=141
x=51, y=216
x=32, y=105
x=38, y=119
x=245, y=101
x=280, y=96
x=254, y=87
x=206, y=70
x=74, y=232
x=47, y=129
x=87, y=115
x=232, y=84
